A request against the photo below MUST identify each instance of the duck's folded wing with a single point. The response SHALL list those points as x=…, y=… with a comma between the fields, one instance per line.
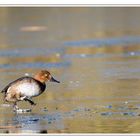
x=6, y=88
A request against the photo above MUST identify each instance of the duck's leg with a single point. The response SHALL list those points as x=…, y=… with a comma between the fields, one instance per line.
x=18, y=110
x=15, y=107
x=30, y=101
x=25, y=98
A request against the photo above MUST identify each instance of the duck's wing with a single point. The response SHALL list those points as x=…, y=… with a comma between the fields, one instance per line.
x=6, y=88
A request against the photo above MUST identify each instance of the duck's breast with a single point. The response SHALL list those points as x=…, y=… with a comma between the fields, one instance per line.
x=28, y=89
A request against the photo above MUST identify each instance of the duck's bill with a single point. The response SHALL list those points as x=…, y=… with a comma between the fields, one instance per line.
x=54, y=80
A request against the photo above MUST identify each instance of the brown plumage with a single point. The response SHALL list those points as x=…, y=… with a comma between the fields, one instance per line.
x=25, y=88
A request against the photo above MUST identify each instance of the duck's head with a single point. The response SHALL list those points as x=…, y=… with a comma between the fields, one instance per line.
x=44, y=76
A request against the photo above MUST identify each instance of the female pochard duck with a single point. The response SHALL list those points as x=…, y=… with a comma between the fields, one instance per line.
x=24, y=88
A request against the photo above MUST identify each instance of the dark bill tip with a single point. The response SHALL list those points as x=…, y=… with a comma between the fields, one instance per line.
x=54, y=80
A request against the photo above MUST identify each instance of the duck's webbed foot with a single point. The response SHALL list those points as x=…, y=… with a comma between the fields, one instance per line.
x=30, y=101
x=22, y=110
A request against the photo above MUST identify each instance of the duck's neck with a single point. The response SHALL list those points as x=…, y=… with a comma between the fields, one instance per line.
x=42, y=84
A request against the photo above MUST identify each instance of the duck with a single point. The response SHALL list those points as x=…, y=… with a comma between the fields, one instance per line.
x=25, y=88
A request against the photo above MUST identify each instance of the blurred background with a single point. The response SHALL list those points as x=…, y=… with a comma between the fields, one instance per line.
x=93, y=51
